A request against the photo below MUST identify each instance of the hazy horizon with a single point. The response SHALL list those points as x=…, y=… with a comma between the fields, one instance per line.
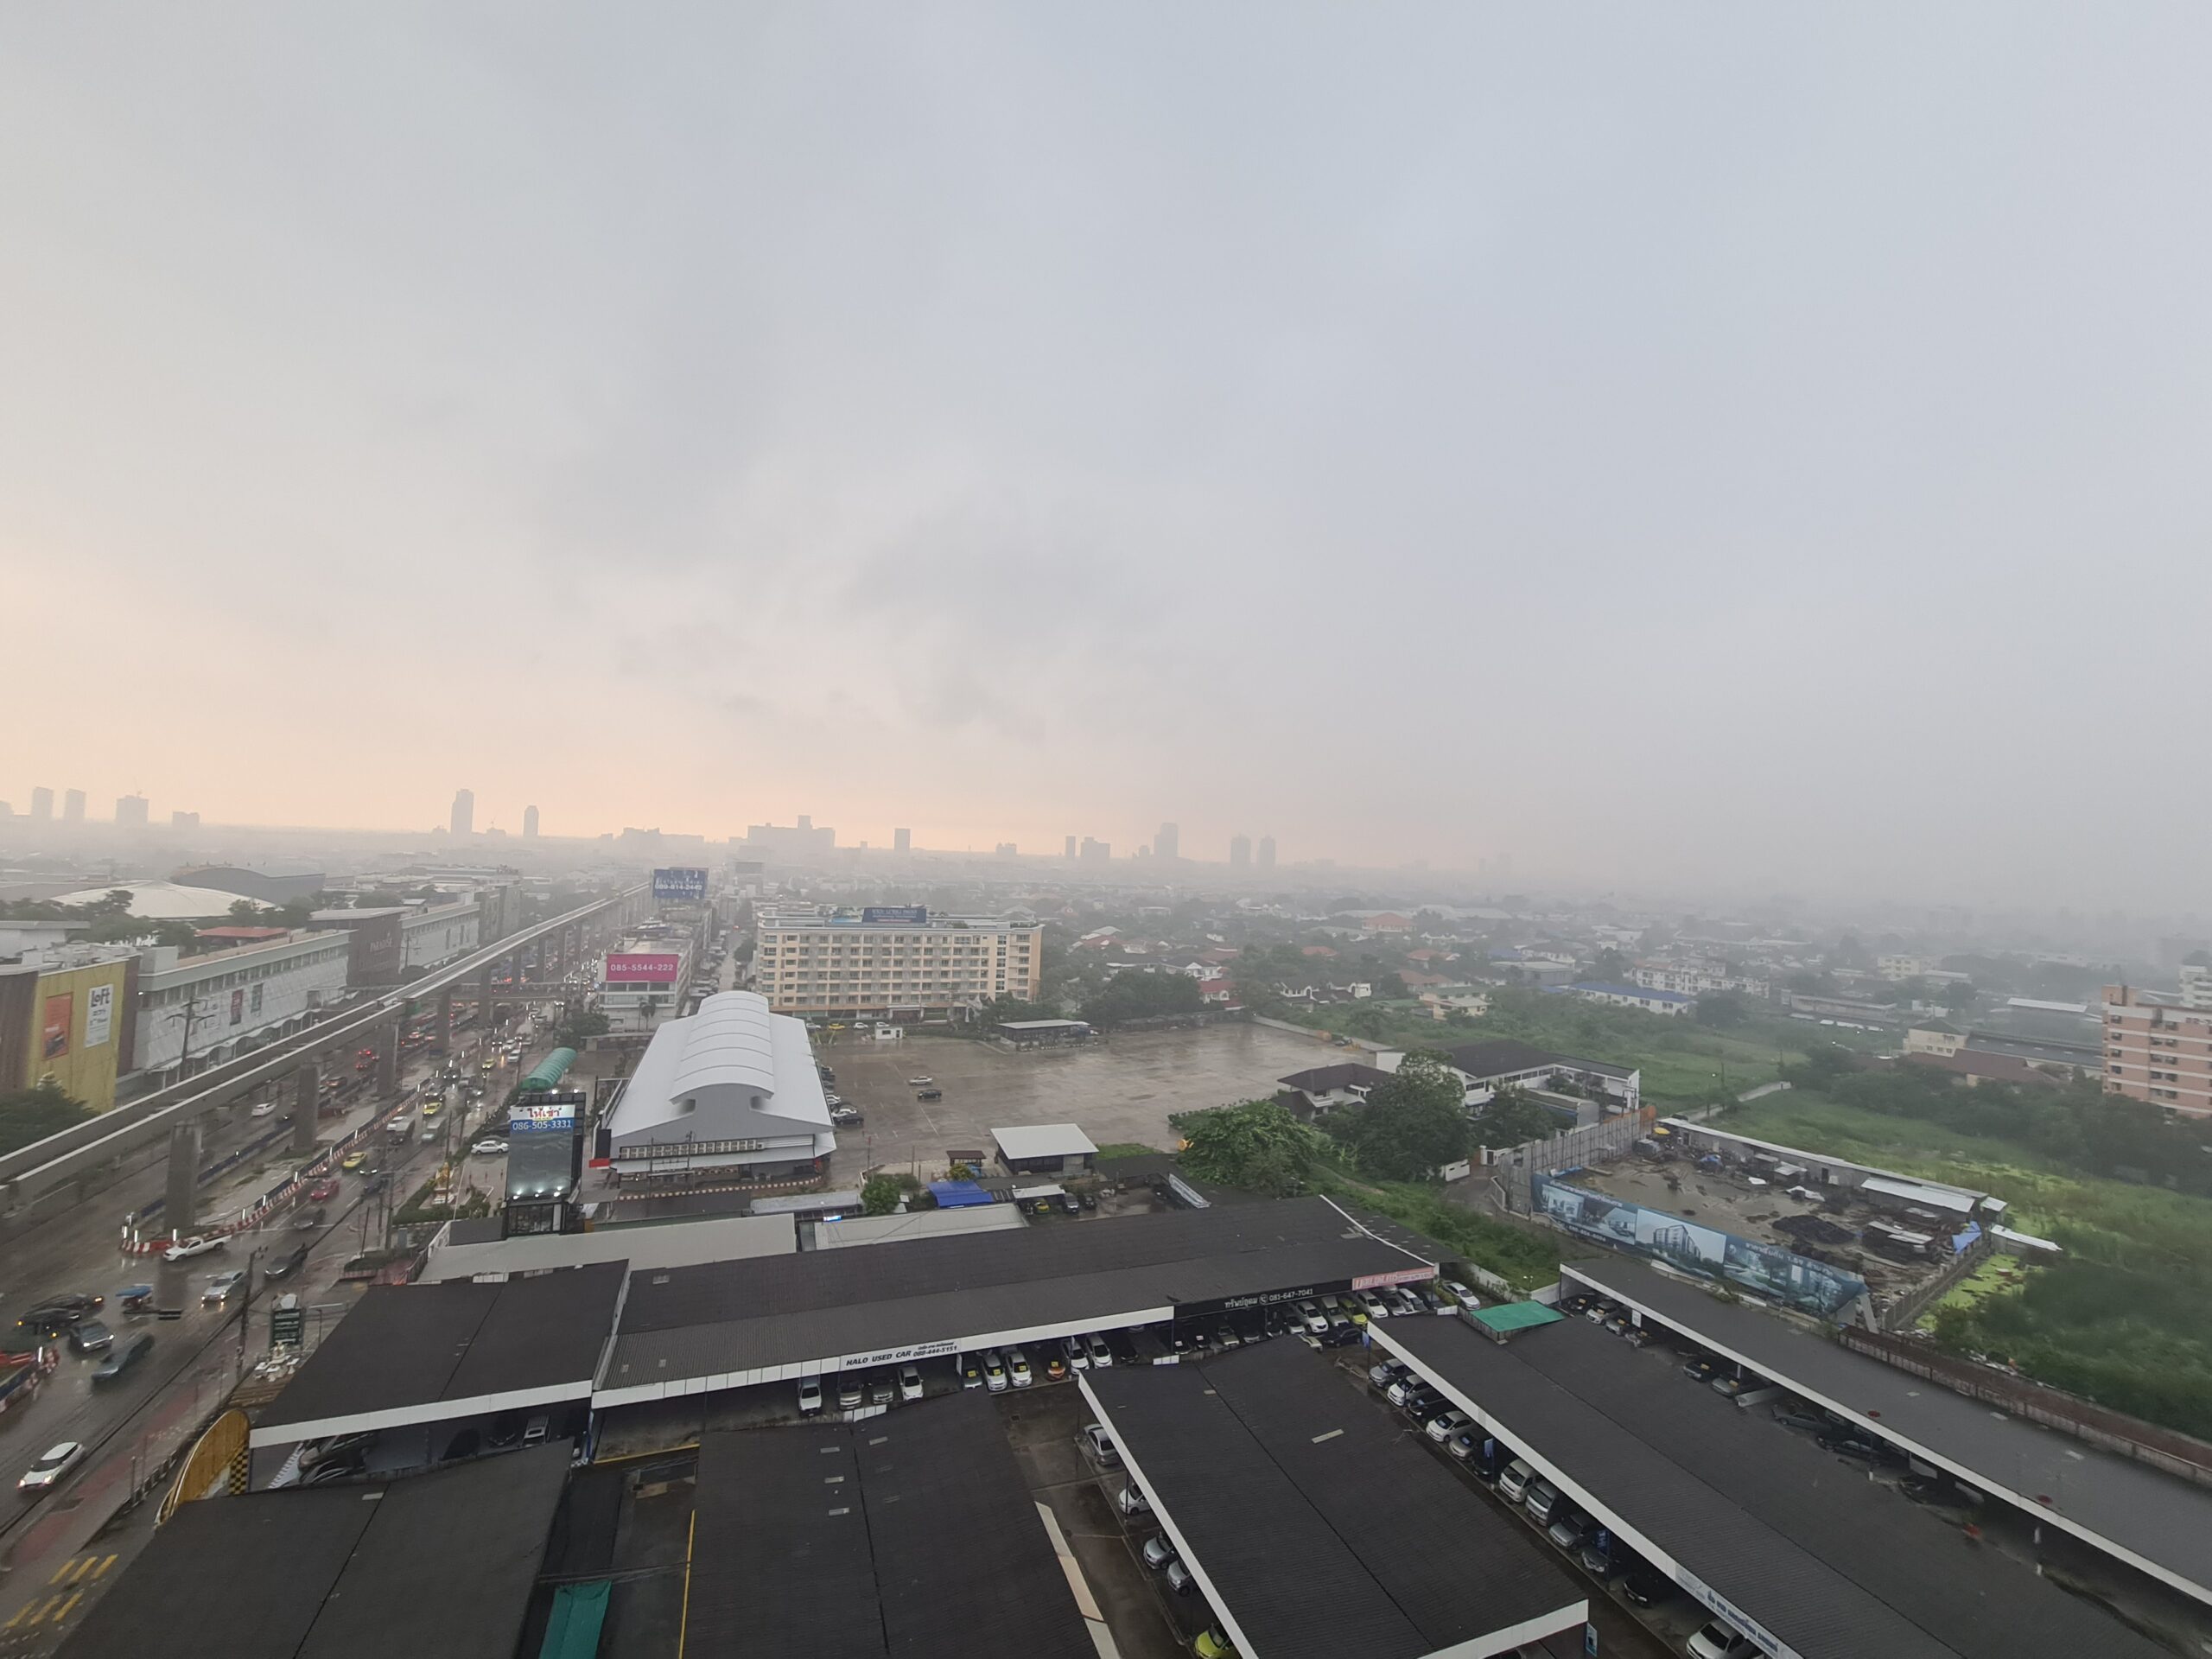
x=1741, y=452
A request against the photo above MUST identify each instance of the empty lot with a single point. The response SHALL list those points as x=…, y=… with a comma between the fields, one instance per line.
x=1124, y=1090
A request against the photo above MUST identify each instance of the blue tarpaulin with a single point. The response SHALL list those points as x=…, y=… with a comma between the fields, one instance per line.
x=958, y=1195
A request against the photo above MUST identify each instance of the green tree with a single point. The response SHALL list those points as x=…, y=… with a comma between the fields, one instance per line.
x=1005, y=1010
x=1136, y=995
x=880, y=1194
x=1512, y=1119
x=1412, y=1124
x=1719, y=1009
x=1611, y=967
x=1958, y=996
x=580, y=1028
x=28, y=1114
x=1257, y=1147
x=243, y=912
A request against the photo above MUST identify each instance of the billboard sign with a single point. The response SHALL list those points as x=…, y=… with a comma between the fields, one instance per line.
x=896, y=915
x=680, y=886
x=100, y=1014
x=1765, y=1270
x=1397, y=1276
x=544, y=1117
x=654, y=968
x=54, y=1037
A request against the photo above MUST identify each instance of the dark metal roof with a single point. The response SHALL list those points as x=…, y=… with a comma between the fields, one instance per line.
x=911, y=1534
x=414, y=1344
x=2136, y=1509
x=728, y=1318
x=1321, y=1527
x=1797, y=1539
x=342, y=1572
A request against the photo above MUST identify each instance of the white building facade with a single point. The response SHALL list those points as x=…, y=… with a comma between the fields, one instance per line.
x=225, y=999
x=440, y=934
x=892, y=963
x=731, y=1089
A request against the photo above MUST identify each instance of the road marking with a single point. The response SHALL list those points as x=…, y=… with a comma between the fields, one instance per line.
x=63, y=1568
x=50, y=1605
x=16, y=1618
x=78, y=1576
x=75, y=1596
x=103, y=1567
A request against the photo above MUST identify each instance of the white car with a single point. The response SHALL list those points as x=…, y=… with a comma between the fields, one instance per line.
x=1100, y=1355
x=809, y=1395
x=1373, y=1304
x=47, y=1473
x=1314, y=1320
x=1017, y=1365
x=1078, y=1357
x=922, y=1082
x=993, y=1371
x=185, y=1248
x=222, y=1287
x=489, y=1148
x=1460, y=1293
x=910, y=1382
x=264, y=1108
x=1721, y=1640
x=1442, y=1428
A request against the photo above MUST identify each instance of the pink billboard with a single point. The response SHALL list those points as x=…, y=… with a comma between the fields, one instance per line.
x=652, y=967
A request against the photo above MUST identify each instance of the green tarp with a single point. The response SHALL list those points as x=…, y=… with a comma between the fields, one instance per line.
x=572, y=1629
x=1501, y=1316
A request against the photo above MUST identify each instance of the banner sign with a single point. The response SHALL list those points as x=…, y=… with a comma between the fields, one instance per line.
x=653, y=966
x=100, y=1014
x=1399, y=1276
x=679, y=887
x=548, y=1113
x=896, y=915
x=55, y=1035
x=1779, y=1275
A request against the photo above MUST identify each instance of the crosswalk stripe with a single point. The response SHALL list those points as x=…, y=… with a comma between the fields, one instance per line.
x=104, y=1567
x=75, y=1596
x=63, y=1568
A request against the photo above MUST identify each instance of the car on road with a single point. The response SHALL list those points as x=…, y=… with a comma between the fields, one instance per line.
x=264, y=1109
x=809, y=1395
x=1101, y=1442
x=49, y=1470
x=308, y=1220
x=199, y=1244
x=222, y=1287
x=910, y=1382
x=929, y=1094
x=1158, y=1552
x=323, y=1191
x=57, y=1314
x=289, y=1263
x=121, y=1357
x=489, y=1148
x=90, y=1336
x=353, y=1161
x=922, y=1082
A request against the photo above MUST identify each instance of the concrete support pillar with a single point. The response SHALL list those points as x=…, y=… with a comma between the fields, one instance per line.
x=181, y=1210
x=307, y=1103
x=388, y=1059
x=484, y=1005
x=442, y=1033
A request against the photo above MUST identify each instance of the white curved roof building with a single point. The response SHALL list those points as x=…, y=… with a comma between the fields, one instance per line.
x=731, y=1086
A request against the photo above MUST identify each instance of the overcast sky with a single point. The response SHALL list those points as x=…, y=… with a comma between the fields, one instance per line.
x=1739, y=444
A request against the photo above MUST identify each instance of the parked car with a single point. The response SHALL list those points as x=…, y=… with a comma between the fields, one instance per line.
x=1568, y=1528
x=1460, y=1293
x=1700, y=1368
x=1178, y=1578
x=90, y=1336
x=1423, y=1403
x=810, y=1394
x=1079, y=1356
x=1071, y=1205
x=1158, y=1552
x=490, y=1146
x=929, y=1094
x=881, y=1390
x=910, y=1382
x=1101, y=1442
x=1513, y=1484
x=1646, y=1587
x=1383, y=1373
x=922, y=1082
x=1212, y=1644
x=1101, y=1353
x=847, y=1117
x=1443, y=1425
x=1595, y=1559
x=1399, y=1388
x=1131, y=1500
x=849, y=1397
x=54, y=1465
x=1542, y=1501
x=199, y=1244
x=993, y=1372
x=1017, y=1368
x=1316, y=1321
x=1371, y=1305
x=1225, y=1337
x=121, y=1357
x=1719, y=1639
x=971, y=1368
x=222, y=1287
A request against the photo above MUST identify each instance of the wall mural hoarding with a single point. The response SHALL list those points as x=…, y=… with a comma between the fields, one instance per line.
x=1765, y=1270
x=53, y=1035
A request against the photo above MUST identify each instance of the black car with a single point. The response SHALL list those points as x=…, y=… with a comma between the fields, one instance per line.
x=59, y=1313
x=929, y=1094
x=308, y=1220
x=121, y=1357
x=847, y=1117
x=1070, y=1204
x=287, y=1264
x=1090, y=1200
x=1646, y=1587
x=1423, y=1403
x=90, y=1336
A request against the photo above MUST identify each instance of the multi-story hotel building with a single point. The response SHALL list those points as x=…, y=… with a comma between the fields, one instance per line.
x=892, y=962
x=2159, y=1047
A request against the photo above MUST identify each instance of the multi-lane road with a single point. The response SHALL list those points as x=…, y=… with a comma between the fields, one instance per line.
x=132, y=1426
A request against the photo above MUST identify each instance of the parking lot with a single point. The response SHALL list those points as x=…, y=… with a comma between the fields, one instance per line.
x=1124, y=1090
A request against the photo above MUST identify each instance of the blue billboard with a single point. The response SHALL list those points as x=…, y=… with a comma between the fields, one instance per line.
x=1765, y=1270
x=680, y=886
x=897, y=915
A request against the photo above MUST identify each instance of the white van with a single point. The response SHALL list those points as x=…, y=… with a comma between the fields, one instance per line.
x=1513, y=1484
